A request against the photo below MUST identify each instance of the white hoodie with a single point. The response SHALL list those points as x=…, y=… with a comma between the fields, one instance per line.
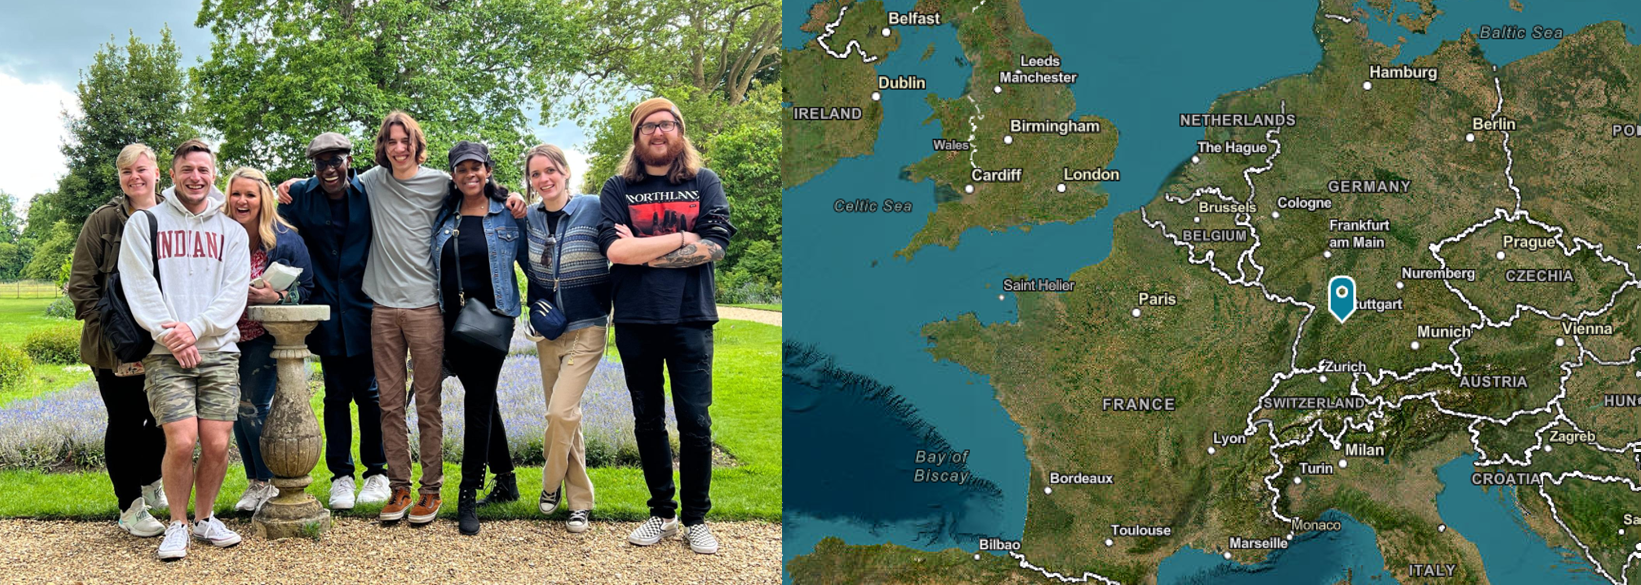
x=205, y=269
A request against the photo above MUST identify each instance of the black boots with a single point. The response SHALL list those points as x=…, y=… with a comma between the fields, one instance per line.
x=505, y=490
x=467, y=511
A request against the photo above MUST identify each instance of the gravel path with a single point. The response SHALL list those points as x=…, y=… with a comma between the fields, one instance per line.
x=361, y=550
x=754, y=315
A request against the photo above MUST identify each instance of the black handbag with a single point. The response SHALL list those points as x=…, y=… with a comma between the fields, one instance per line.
x=131, y=342
x=477, y=324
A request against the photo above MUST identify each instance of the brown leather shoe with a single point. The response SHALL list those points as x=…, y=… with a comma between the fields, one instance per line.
x=425, y=509
x=396, y=505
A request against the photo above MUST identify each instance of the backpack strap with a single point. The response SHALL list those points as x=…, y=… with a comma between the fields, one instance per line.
x=154, y=243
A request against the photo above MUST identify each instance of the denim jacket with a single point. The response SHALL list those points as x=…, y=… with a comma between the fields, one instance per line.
x=505, y=237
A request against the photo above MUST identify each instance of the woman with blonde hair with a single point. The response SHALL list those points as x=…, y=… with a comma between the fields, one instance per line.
x=251, y=202
x=569, y=275
x=133, y=445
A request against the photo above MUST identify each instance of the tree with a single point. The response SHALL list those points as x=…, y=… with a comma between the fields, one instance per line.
x=135, y=94
x=282, y=72
x=48, y=258
x=43, y=211
x=655, y=46
x=11, y=226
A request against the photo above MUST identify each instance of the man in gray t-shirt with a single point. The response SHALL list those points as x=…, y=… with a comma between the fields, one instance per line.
x=400, y=271
x=404, y=198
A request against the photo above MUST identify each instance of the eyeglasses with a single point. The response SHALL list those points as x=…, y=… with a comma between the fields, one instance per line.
x=648, y=128
x=325, y=163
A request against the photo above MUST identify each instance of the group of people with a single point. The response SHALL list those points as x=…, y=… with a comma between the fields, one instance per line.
x=399, y=253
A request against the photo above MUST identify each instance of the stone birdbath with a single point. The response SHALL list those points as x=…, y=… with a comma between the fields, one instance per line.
x=290, y=436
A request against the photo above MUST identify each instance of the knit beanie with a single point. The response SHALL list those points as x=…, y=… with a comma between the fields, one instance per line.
x=651, y=106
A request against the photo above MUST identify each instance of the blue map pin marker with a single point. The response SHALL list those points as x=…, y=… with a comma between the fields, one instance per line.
x=1342, y=297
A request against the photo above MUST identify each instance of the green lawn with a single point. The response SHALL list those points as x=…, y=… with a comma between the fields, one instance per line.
x=746, y=423
x=18, y=318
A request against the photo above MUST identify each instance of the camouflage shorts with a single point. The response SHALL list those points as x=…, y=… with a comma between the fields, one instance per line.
x=209, y=391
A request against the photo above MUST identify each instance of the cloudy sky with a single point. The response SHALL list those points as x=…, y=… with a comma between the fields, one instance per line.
x=45, y=45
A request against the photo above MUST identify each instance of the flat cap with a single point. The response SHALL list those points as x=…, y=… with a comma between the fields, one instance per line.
x=327, y=142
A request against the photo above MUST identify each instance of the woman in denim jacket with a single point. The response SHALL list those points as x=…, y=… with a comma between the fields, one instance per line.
x=490, y=241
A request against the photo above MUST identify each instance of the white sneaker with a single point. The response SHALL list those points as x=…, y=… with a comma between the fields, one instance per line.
x=154, y=495
x=701, y=540
x=255, y=495
x=269, y=492
x=341, y=493
x=175, y=545
x=577, y=521
x=653, y=530
x=213, y=531
x=375, y=490
x=138, y=522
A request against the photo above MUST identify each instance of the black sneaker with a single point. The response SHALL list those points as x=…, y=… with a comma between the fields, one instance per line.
x=467, y=512
x=505, y=490
x=549, y=502
x=577, y=522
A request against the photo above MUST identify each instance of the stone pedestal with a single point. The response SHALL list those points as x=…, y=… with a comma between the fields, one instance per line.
x=290, y=437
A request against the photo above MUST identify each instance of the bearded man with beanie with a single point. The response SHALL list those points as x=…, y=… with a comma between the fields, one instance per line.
x=666, y=221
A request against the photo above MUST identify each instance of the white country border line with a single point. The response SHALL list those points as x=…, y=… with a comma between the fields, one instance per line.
x=853, y=45
x=1087, y=575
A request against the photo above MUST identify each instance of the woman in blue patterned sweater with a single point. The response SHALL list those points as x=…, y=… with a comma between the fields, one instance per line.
x=568, y=274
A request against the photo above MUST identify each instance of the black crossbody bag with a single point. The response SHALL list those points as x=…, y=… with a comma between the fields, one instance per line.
x=478, y=324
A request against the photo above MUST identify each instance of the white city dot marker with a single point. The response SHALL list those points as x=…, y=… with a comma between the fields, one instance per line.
x=1108, y=542
x=876, y=96
x=999, y=297
x=977, y=556
x=1638, y=546
x=1197, y=219
x=1296, y=480
x=1060, y=187
x=1621, y=532
x=1560, y=342
x=1008, y=140
x=1276, y=214
x=1638, y=373
x=968, y=188
x=1289, y=536
x=1324, y=378
x=1398, y=285
x=1471, y=137
x=1343, y=464
x=1195, y=159
x=1135, y=312
x=1327, y=253
x=1048, y=490
x=1367, y=85
x=1227, y=555
x=1441, y=528
x=997, y=89
x=1210, y=450
x=885, y=31
x=1415, y=345
x=1499, y=255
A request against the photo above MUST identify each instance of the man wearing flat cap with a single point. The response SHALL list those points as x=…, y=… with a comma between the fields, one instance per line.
x=330, y=212
x=666, y=221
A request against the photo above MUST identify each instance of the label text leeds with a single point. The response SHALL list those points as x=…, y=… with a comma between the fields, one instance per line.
x=1314, y=403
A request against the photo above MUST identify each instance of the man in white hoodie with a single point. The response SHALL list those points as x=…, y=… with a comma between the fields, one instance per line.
x=204, y=269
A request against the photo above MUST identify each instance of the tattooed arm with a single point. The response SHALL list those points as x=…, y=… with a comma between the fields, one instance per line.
x=689, y=255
